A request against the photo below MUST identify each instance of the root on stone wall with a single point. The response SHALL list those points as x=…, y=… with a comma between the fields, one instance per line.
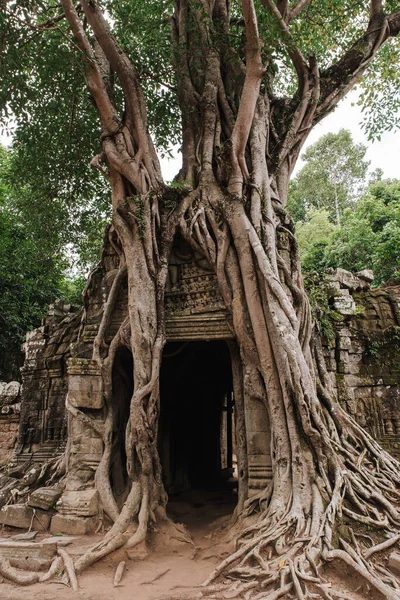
x=228, y=204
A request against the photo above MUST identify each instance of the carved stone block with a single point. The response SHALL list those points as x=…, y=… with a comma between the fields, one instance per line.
x=84, y=503
x=44, y=498
x=29, y=555
x=85, y=384
x=24, y=517
x=72, y=525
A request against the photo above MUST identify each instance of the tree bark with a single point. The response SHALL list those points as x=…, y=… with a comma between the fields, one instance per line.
x=238, y=154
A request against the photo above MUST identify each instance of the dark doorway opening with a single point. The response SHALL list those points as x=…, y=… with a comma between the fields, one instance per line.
x=122, y=384
x=196, y=424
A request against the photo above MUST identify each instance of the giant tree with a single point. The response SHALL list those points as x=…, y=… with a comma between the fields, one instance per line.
x=247, y=81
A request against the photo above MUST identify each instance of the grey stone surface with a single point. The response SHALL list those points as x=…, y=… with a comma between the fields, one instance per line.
x=24, y=517
x=83, y=503
x=85, y=384
x=366, y=274
x=72, y=525
x=28, y=555
x=44, y=498
x=344, y=304
x=60, y=540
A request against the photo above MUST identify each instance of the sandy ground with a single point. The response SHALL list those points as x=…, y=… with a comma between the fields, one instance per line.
x=148, y=575
x=167, y=564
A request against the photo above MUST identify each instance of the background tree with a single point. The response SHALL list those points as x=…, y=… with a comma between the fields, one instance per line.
x=39, y=241
x=247, y=83
x=369, y=236
x=332, y=178
x=315, y=236
x=29, y=276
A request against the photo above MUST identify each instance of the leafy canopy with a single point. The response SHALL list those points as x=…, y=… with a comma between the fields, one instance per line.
x=332, y=178
x=43, y=90
x=369, y=236
x=30, y=273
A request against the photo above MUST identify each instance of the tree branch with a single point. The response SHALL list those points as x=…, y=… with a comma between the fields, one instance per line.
x=283, y=8
x=340, y=78
x=134, y=99
x=376, y=8
x=254, y=73
x=394, y=24
x=96, y=84
x=297, y=8
x=296, y=56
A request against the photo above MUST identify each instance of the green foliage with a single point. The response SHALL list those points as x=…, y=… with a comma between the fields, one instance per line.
x=314, y=236
x=369, y=236
x=143, y=30
x=332, y=178
x=380, y=92
x=384, y=343
x=319, y=292
x=327, y=189
x=33, y=264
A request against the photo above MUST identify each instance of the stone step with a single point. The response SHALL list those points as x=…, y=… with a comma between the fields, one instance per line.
x=28, y=555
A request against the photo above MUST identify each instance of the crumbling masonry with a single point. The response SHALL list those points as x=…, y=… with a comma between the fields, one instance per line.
x=363, y=358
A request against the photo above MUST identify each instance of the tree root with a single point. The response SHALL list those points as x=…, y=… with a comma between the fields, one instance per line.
x=69, y=567
x=119, y=573
x=16, y=575
x=55, y=568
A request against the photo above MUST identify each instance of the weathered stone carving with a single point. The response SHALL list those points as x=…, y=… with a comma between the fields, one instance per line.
x=85, y=383
x=363, y=363
x=44, y=498
x=364, y=357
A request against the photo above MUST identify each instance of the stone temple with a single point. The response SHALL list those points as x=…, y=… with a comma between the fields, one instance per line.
x=197, y=426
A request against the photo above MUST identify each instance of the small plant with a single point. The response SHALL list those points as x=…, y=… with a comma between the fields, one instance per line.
x=319, y=292
x=383, y=342
x=139, y=214
x=178, y=185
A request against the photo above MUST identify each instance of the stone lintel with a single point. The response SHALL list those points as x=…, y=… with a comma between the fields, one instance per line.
x=83, y=366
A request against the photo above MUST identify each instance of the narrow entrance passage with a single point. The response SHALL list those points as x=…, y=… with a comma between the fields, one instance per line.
x=195, y=435
x=122, y=383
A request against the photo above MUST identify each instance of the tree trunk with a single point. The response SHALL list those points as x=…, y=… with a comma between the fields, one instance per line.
x=229, y=206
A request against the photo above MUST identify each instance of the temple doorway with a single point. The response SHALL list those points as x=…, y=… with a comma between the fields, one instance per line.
x=122, y=383
x=196, y=434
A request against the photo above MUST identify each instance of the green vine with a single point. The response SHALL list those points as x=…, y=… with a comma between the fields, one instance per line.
x=386, y=342
x=319, y=291
x=139, y=215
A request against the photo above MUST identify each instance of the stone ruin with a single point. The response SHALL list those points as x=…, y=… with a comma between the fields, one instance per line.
x=10, y=408
x=363, y=358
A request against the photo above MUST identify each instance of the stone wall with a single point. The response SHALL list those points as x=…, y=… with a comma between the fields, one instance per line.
x=43, y=426
x=363, y=358
x=364, y=355
x=10, y=407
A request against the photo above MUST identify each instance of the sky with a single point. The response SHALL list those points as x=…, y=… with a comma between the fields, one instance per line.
x=384, y=154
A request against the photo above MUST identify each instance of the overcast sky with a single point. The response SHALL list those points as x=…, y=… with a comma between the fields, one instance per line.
x=384, y=154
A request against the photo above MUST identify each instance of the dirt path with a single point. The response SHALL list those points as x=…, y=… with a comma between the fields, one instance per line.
x=171, y=563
